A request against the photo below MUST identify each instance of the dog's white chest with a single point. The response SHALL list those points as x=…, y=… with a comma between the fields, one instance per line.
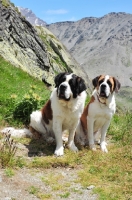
x=100, y=121
x=100, y=115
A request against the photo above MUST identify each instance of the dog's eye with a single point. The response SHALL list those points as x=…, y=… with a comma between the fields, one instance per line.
x=62, y=79
x=109, y=83
x=101, y=81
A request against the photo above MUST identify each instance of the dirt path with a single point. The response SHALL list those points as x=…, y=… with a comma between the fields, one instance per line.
x=31, y=184
x=38, y=183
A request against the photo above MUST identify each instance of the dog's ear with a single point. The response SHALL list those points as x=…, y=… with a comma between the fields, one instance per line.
x=77, y=85
x=81, y=85
x=95, y=81
x=59, y=78
x=117, y=84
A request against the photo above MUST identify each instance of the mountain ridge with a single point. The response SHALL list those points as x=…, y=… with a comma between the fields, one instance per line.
x=31, y=17
x=101, y=45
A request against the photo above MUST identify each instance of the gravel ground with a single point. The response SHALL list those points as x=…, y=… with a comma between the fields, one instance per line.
x=33, y=184
x=19, y=185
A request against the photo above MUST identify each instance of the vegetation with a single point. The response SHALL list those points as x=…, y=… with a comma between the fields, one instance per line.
x=5, y=3
x=8, y=3
x=111, y=173
x=7, y=150
x=20, y=94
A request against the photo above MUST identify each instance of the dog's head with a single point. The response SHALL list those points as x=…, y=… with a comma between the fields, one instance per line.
x=106, y=85
x=69, y=85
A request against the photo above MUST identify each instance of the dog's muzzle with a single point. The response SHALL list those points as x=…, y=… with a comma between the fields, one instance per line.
x=62, y=93
x=103, y=91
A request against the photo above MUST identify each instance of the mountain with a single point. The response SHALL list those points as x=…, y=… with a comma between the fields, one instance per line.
x=31, y=17
x=100, y=45
x=35, y=50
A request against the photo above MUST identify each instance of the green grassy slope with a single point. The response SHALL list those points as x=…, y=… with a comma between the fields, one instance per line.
x=15, y=84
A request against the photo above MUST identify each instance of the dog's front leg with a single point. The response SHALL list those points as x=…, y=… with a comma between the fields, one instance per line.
x=90, y=125
x=103, y=135
x=57, y=128
x=71, y=144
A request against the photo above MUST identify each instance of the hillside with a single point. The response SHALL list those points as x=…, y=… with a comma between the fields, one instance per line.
x=36, y=51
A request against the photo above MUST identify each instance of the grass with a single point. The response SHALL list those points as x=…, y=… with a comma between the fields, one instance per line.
x=17, y=85
x=111, y=173
x=33, y=190
x=7, y=150
x=36, y=191
x=65, y=195
x=9, y=172
x=5, y=3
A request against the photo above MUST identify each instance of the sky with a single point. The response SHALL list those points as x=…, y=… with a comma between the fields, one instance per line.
x=52, y=11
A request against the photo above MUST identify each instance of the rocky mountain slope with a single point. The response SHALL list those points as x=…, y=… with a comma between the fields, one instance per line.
x=31, y=17
x=37, y=51
x=100, y=45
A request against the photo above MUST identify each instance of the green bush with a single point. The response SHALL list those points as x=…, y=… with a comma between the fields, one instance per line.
x=25, y=107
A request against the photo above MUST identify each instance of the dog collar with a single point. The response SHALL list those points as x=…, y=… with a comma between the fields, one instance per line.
x=100, y=101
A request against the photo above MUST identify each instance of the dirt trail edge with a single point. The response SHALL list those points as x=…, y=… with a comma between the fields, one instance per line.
x=38, y=183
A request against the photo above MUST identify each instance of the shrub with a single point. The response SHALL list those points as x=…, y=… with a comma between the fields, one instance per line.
x=25, y=107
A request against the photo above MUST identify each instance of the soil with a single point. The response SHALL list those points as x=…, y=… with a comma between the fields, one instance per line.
x=18, y=187
x=28, y=184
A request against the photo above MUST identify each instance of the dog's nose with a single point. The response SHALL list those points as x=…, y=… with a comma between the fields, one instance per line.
x=103, y=86
x=63, y=87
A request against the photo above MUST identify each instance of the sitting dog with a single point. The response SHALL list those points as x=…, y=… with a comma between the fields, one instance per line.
x=96, y=116
x=62, y=111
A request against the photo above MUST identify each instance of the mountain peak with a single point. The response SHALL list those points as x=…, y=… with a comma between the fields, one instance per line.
x=31, y=17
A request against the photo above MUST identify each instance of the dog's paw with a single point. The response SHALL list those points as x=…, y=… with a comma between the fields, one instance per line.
x=92, y=147
x=103, y=147
x=59, y=151
x=72, y=147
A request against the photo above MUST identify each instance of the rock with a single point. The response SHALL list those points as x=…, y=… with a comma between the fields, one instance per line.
x=90, y=187
x=36, y=51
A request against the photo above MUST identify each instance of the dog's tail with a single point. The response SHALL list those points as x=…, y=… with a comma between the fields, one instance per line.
x=35, y=122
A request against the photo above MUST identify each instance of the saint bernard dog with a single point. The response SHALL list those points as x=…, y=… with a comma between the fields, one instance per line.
x=62, y=111
x=96, y=116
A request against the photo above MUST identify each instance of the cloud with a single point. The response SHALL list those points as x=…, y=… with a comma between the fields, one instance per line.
x=56, y=12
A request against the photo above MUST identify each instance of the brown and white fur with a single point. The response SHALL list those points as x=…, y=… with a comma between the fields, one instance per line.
x=97, y=115
x=62, y=111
